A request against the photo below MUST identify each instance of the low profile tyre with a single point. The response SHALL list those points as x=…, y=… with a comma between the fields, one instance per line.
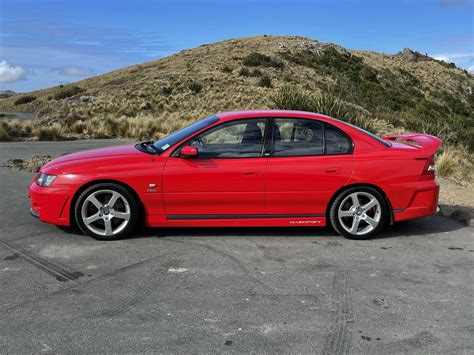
x=358, y=213
x=106, y=211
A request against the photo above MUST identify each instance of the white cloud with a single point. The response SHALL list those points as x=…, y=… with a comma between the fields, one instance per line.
x=471, y=69
x=449, y=57
x=75, y=70
x=10, y=73
x=87, y=43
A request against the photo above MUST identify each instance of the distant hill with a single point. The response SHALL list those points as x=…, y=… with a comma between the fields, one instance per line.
x=4, y=94
x=408, y=89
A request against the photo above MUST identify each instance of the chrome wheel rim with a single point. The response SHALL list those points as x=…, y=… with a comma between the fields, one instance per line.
x=105, y=212
x=359, y=213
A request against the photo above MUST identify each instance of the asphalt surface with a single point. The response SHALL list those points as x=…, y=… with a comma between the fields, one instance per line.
x=228, y=290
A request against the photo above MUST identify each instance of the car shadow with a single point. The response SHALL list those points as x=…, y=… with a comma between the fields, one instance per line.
x=419, y=227
x=423, y=226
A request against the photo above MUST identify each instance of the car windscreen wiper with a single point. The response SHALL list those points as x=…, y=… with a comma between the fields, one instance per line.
x=148, y=145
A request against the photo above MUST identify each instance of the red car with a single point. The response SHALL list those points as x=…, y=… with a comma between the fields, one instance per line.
x=251, y=168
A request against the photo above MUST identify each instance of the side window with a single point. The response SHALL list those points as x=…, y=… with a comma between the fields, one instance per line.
x=297, y=137
x=240, y=139
x=337, y=142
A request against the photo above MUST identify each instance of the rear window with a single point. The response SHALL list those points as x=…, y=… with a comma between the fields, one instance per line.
x=377, y=138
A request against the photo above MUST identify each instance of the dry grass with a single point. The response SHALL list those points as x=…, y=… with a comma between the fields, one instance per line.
x=446, y=163
x=456, y=164
x=4, y=136
x=55, y=132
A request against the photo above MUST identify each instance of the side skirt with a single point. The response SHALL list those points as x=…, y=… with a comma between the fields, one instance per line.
x=313, y=220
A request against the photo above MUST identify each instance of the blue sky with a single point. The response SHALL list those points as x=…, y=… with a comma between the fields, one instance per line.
x=48, y=42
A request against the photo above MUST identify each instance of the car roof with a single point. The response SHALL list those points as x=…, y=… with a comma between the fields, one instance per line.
x=225, y=116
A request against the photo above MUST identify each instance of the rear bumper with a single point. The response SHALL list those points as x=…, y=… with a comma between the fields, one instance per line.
x=423, y=202
x=49, y=204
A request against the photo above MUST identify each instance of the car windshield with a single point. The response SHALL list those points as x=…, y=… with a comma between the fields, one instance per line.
x=168, y=141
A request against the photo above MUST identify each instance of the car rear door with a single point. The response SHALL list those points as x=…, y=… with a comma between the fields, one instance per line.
x=226, y=180
x=310, y=160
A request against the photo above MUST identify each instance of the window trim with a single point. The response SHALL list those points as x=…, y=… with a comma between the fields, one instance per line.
x=175, y=153
x=323, y=128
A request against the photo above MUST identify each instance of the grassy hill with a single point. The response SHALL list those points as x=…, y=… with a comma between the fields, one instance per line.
x=407, y=90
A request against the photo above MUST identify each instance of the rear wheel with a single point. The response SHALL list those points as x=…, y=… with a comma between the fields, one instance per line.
x=358, y=212
x=106, y=211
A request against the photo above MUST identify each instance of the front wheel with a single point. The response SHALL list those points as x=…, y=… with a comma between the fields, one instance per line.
x=106, y=211
x=358, y=213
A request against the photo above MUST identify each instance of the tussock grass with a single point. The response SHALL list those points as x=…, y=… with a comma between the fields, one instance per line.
x=4, y=136
x=55, y=132
x=446, y=163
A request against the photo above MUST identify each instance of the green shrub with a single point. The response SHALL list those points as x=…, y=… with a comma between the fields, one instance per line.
x=227, y=69
x=330, y=105
x=244, y=71
x=256, y=72
x=68, y=92
x=256, y=59
x=166, y=90
x=291, y=98
x=24, y=100
x=195, y=87
x=265, y=82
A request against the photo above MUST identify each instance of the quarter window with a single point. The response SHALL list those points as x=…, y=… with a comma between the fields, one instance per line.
x=337, y=142
x=240, y=139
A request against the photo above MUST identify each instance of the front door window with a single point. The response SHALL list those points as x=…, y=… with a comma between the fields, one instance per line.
x=241, y=139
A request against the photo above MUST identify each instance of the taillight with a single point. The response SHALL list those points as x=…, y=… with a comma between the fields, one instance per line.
x=429, y=168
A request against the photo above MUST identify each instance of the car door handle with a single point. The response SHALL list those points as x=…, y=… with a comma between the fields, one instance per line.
x=334, y=170
x=250, y=173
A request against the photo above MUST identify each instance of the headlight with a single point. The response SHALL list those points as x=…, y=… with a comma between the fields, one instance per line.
x=45, y=179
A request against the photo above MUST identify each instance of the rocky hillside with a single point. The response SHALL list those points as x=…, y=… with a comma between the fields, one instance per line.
x=408, y=89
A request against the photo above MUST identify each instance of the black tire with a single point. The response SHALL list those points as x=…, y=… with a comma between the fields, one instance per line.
x=126, y=197
x=364, y=192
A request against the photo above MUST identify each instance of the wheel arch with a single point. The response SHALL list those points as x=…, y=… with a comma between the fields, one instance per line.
x=346, y=187
x=72, y=220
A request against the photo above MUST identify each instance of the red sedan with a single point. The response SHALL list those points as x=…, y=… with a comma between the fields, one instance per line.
x=252, y=168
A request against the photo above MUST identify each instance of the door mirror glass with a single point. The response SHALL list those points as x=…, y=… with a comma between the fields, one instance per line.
x=188, y=152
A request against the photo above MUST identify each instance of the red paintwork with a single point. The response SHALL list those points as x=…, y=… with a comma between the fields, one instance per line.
x=257, y=186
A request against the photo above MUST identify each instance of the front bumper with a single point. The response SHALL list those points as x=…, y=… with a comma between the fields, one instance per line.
x=50, y=204
x=34, y=213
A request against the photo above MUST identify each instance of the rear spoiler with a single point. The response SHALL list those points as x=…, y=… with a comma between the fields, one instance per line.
x=427, y=144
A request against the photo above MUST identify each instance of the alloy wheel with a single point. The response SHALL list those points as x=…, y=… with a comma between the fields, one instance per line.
x=105, y=212
x=359, y=213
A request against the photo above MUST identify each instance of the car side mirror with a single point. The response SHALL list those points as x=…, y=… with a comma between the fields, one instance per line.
x=188, y=152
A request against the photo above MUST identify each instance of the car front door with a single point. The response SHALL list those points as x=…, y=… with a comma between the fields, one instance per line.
x=310, y=161
x=225, y=180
